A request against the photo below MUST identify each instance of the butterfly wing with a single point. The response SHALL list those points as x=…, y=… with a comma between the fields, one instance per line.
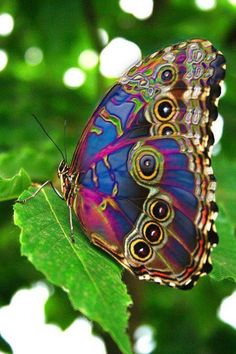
x=146, y=190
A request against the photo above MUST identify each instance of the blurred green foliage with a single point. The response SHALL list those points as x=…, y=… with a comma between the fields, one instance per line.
x=184, y=322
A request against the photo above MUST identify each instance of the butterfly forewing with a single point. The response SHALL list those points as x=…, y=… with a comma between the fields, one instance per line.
x=145, y=189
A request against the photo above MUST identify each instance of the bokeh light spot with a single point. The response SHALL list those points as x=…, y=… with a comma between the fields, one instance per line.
x=232, y=2
x=205, y=5
x=74, y=77
x=103, y=35
x=144, y=340
x=6, y=24
x=118, y=56
x=226, y=312
x=3, y=59
x=217, y=128
x=88, y=59
x=33, y=56
x=22, y=324
x=141, y=9
x=223, y=89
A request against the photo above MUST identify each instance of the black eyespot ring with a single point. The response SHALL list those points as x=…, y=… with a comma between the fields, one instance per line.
x=166, y=129
x=153, y=233
x=164, y=110
x=160, y=210
x=147, y=164
x=167, y=74
x=140, y=250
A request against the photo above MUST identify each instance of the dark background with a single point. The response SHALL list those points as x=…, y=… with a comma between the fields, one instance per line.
x=183, y=322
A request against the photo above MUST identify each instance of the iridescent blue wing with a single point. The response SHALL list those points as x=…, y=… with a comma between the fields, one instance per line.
x=146, y=189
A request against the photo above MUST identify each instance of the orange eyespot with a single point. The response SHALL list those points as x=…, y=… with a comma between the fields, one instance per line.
x=140, y=250
x=164, y=110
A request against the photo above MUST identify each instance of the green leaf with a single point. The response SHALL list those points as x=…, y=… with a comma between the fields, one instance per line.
x=11, y=188
x=66, y=315
x=4, y=346
x=92, y=280
x=224, y=260
x=225, y=171
x=224, y=255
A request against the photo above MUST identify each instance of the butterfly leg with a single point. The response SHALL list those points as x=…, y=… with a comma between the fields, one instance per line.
x=71, y=225
x=22, y=201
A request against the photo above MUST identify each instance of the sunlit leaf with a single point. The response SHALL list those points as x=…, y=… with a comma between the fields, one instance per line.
x=92, y=280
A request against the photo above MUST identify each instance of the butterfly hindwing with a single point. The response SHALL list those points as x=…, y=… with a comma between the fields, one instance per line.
x=146, y=189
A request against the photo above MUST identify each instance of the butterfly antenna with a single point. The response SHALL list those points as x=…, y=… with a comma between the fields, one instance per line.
x=65, y=126
x=45, y=131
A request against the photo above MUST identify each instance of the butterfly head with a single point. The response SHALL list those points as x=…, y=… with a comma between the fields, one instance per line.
x=69, y=182
x=66, y=179
x=62, y=169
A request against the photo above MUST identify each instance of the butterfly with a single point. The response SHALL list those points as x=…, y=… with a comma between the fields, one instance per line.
x=141, y=181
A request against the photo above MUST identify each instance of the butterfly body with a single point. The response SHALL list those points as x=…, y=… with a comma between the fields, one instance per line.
x=140, y=180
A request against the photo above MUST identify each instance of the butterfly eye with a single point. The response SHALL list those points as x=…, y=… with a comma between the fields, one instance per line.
x=147, y=165
x=153, y=233
x=167, y=74
x=164, y=110
x=140, y=250
x=160, y=210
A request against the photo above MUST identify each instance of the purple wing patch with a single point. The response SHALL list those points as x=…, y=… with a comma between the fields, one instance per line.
x=140, y=181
